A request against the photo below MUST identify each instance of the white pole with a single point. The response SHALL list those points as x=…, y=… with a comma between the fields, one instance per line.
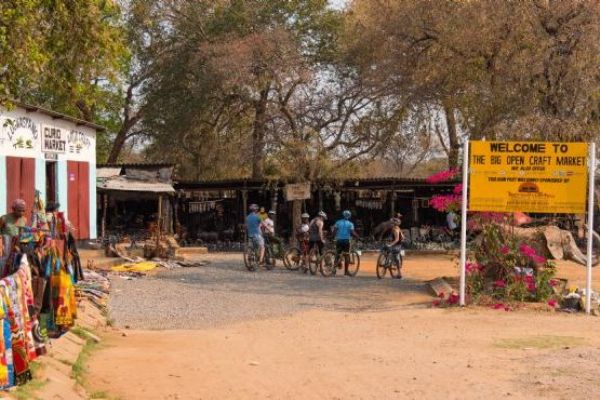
x=463, y=222
x=590, y=227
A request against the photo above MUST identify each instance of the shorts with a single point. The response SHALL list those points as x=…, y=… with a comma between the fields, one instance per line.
x=318, y=243
x=258, y=239
x=342, y=246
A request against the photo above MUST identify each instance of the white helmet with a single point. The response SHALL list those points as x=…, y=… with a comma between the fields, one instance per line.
x=322, y=214
x=305, y=215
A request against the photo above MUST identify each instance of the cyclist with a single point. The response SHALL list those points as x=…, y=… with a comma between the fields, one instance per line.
x=253, y=231
x=268, y=229
x=343, y=231
x=316, y=235
x=302, y=237
x=396, y=242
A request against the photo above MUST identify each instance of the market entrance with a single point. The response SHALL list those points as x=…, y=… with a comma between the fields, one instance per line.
x=78, y=197
x=20, y=181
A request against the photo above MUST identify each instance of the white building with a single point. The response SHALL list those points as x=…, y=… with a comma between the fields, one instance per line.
x=54, y=154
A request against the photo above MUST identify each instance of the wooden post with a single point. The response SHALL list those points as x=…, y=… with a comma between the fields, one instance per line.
x=159, y=221
x=104, y=211
x=393, y=204
x=244, y=204
x=296, y=213
x=320, y=198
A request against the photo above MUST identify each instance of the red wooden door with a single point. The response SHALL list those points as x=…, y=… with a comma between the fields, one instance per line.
x=78, y=175
x=20, y=182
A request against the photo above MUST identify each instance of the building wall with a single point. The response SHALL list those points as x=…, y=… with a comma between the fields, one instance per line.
x=45, y=138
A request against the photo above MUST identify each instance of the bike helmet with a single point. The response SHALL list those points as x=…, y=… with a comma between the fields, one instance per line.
x=322, y=214
x=396, y=221
x=305, y=216
x=253, y=207
x=347, y=214
x=271, y=212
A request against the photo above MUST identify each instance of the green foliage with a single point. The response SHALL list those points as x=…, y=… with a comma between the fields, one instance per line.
x=65, y=55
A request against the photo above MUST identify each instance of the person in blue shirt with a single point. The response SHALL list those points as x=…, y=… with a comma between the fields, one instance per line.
x=343, y=230
x=254, y=232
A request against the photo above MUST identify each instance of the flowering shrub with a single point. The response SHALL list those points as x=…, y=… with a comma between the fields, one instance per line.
x=500, y=265
x=442, y=176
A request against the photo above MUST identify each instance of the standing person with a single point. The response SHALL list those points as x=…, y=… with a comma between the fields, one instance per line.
x=262, y=214
x=395, y=244
x=302, y=234
x=268, y=229
x=343, y=231
x=11, y=223
x=253, y=231
x=316, y=235
x=451, y=219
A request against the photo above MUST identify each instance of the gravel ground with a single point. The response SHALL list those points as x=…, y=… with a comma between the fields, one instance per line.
x=224, y=292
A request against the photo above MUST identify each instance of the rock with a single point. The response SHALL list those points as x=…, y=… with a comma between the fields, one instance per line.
x=254, y=363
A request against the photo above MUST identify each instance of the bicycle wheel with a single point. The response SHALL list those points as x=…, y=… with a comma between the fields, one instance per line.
x=354, y=264
x=313, y=261
x=250, y=258
x=396, y=268
x=270, y=260
x=293, y=258
x=381, y=265
x=327, y=265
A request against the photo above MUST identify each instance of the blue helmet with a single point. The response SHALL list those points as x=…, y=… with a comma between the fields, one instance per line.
x=347, y=214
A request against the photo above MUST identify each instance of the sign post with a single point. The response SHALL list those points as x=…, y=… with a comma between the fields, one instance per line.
x=463, y=223
x=590, y=227
x=538, y=177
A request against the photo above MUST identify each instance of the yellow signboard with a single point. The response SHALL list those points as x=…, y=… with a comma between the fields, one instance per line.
x=542, y=177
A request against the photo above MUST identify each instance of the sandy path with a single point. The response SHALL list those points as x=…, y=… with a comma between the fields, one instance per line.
x=394, y=353
x=407, y=354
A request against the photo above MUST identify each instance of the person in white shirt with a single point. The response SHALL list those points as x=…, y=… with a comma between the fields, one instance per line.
x=268, y=229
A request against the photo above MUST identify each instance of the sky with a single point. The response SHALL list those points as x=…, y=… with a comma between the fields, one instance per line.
x=338, y=3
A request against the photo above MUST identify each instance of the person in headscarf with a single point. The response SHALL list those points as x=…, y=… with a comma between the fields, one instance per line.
x=11, y=222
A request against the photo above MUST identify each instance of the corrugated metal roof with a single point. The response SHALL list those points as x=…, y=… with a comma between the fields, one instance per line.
x=57, y=115
x=121, y=183
x=108, y=172
x=138, y=165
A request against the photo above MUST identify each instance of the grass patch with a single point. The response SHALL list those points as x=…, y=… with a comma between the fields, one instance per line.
x=540, y=342
x=79, y=368
x=103, y=395
x=27, y=391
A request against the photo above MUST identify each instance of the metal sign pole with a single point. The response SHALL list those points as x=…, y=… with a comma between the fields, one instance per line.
x=463, y=222
x=590, y=226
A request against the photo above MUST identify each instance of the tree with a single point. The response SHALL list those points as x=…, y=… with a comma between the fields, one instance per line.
x=63, y=55
x=489, y=69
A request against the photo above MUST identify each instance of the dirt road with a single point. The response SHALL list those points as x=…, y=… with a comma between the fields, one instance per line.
x=394, y=352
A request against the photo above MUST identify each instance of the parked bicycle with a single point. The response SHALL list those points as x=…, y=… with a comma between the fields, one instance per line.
x=331, y=262
x=252, y=256
x=297, y=258
x=388, y=261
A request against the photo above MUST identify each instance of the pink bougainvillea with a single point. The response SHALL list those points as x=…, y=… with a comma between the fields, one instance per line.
x=500, y=284
x=527, y=250
x=458, y=189
x=445, y=202
x=552, y=303
x=442, y=176
x=453, y=298
x=505, y=250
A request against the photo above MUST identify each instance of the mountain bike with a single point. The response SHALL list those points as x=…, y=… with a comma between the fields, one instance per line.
x=252, y=256
x=331, y=262
x=296, y=258
x=387, y=260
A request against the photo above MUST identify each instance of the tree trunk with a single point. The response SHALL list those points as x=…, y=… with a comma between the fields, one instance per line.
x=258, y=135
x=454, y=145
x=129, y=122
x=117, y=146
